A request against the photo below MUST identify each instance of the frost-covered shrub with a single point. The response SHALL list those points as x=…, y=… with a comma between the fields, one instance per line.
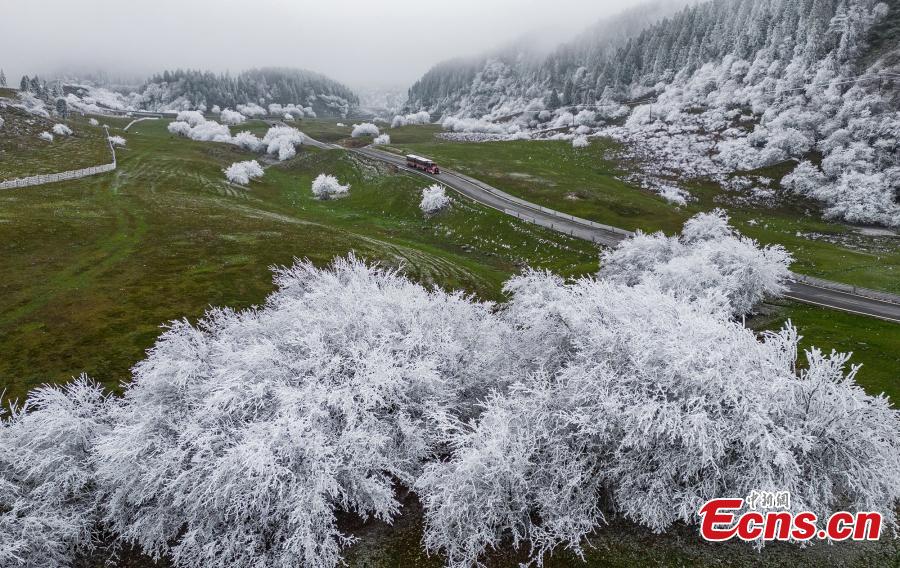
x=203, y=130
x=46, y=136
x=673, y=194
x=210, y=131
x=62, y=130
x=648, y=404
x=1, y=122
x=49, y=510
x=32, y=104
x=562, y=120
x=382, y=139
x=282, y=141
x=288, y=117
x=117, y=141
x=434, y=198
x=242, y=438
x=192, y=117
x=473, y=125
x=580, y=142
x=709, y=259
x=243, y=172
x=586, y=118
x=93, y=122
x=327, y=186
x=247, y=140
x=179, y=127
x=414, y=118
x=216, y=109
x=231, y=117
x=251, y=110
x=364, y=129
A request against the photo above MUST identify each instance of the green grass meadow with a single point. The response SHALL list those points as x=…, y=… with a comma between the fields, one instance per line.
x=94, y=267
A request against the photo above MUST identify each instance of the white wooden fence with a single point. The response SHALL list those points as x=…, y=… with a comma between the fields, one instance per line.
x=62, y=176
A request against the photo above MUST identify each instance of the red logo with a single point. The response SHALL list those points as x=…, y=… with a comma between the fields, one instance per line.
x=727, y=518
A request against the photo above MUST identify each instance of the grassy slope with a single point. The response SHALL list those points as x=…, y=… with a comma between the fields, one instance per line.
x=585, y=183
x=23, y=154
x=874, y=343
x=95, y=266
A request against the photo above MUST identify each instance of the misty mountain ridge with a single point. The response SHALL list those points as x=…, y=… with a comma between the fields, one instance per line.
x=182, y=90
x=714, y=88
x=254, y=90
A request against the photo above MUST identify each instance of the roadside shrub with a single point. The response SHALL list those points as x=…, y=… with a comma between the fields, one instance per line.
x=243, y=172
x=434, y=198
x=364, y=129
x=327, y=187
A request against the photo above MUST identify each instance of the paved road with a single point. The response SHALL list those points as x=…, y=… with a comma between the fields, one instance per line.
x=844, y=301
x=606, y=235
x=493, y=197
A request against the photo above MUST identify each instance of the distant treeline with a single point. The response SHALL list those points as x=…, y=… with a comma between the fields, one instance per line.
x=260, y=86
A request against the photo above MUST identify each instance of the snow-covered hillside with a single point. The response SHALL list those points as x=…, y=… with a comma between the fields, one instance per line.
x=720, y=86
x=268, y=91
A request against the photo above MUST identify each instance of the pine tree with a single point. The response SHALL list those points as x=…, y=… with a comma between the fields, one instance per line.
x=553, y=101
x=2, y=78
x=24, y=84
x=62, y=107
x=568, y=93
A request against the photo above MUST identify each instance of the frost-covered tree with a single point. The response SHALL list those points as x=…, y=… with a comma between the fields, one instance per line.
x=326, y=186
x=282, y=141
x=230, y=117
x=364, y=129
x=434, y=198
x=49, y=510
x=382, y=139
x=24, y=84
x=422, y=117
x=248, y=141
x=117, y=141
x=580, y=141
x=243, y=172
x=647, y=404
x=192, y=117
x=242, y=438
x=62, y=108
x=2, y=78
x=708, y=259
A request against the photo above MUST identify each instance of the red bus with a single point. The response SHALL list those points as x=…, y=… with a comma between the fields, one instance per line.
x=420, y=163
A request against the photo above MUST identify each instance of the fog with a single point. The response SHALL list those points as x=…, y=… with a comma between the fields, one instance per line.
x=362, y=43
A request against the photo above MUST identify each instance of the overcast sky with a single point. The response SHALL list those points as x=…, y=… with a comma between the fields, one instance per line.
x=360, y=42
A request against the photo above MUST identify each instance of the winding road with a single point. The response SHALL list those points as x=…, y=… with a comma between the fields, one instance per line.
x=819, y=292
